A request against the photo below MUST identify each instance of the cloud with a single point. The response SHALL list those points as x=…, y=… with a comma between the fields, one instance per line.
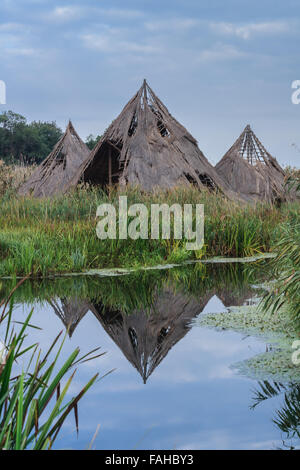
x=21, y=51
x=14, y=40
x=65, y=14
x=249, y=30
x=8, y=27
x=113, y=40
x=175, y=24
x=119, y=13
x=220, y=52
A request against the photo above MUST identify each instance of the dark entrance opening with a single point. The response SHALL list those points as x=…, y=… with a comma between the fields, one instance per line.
x=105, y=169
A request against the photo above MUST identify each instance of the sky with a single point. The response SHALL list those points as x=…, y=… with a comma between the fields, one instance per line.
x=179, y=407
x=217, y=65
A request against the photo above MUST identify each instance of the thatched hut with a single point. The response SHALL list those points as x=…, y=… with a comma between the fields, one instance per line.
x=71, y=311
x=146, y=147
x=146, y=336
x=54, y=174
x=251, y=171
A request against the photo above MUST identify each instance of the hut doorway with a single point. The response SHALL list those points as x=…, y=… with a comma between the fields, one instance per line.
x=105, y=169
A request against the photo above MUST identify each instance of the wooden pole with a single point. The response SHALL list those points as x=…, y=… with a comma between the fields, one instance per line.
x=109, y=167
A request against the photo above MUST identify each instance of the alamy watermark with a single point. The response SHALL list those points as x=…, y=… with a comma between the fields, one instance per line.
x=296, y=94
x=133, y=222
x=296, y=354
x=2, y=92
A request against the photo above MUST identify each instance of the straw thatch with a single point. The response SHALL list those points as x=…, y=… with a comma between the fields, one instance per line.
x=71, y=311
x=146, y=336
x=251, y=171
x=146, y=147
x=54, y=174
x=232, y=298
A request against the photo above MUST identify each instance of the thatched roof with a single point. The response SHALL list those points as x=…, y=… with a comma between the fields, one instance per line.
x=145, y=146
x=71, y=311
x=250, y=169
x=146, y=336
x=231, y=298
x=54, y=174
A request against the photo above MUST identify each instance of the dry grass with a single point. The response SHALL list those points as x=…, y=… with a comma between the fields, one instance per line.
x=12, y=176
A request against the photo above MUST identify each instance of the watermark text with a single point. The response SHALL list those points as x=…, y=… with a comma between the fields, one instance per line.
x=296, y=94
x=2, y=92
x=296, y=354
x=133, y=222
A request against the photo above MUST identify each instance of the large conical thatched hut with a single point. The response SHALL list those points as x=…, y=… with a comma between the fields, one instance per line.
x=250, y=169
x=146, y=336
x=54, y=174
x=146, y=147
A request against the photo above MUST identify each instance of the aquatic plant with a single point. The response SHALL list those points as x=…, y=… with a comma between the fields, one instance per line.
x=287, y=418
x=30, y=415
x=285, y=268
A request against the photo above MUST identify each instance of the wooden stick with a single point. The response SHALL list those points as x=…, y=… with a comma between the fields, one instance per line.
x=109, y=167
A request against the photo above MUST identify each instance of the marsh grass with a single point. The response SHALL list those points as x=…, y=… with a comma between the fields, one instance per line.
x=33, y=404
x=45, y=236
x=12, y=176
x=285, y=268
x=138, y=290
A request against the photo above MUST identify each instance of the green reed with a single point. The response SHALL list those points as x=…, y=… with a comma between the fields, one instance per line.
x=33, y=405
x=58, y=234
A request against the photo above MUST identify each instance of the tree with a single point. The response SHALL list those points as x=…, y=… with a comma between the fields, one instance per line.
x=42, y=138
x=91, y=141
x=26, y=143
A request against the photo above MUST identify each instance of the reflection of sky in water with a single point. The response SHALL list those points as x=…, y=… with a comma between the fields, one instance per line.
x=192, y=400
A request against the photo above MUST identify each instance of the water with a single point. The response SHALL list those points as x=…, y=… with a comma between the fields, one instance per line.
x=173, y=386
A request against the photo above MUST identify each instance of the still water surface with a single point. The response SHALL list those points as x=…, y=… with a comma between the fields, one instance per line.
x=173, y=386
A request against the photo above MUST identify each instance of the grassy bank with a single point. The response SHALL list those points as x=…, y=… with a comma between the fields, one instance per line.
x=285, y=268
x=59, y=234
x=231, y=282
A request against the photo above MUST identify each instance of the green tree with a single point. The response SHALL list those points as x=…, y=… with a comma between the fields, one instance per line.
x=91, y=141
x=42, y=138
x=23, y=142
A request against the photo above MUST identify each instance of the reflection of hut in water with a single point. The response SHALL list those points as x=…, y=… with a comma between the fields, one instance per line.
x=231, y=298
x=146, y=336
x=148, y=332
x=71, y=311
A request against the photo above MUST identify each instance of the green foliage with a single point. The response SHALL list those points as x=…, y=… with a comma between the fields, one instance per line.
x=137, y=290
x=30, y=415
x=91, y=141
x=59, y=234
x=286, y=270
x=23, y=142
x=287, y=418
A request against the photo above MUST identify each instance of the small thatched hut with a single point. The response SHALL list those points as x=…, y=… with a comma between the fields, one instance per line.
x=71, y=311
x=251, y=171
x=146, y=147
x=54, y=174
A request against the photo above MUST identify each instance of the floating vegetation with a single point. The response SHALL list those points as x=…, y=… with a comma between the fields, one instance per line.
x=277, y=330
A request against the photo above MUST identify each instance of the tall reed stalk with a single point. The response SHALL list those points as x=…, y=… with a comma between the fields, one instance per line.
x=33, y=405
